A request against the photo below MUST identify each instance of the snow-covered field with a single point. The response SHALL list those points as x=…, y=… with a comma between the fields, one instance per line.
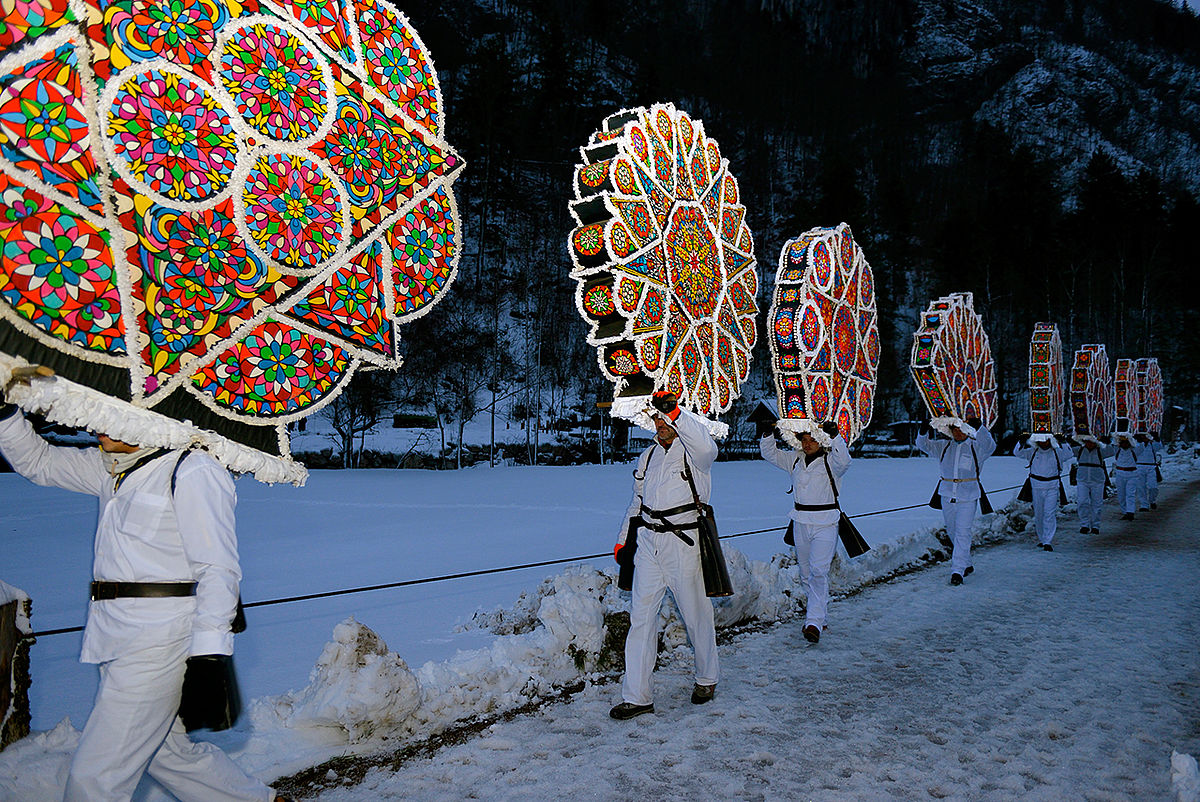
x=355, y=528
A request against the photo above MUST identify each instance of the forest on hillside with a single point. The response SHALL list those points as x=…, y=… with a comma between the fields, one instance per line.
x=827, y=112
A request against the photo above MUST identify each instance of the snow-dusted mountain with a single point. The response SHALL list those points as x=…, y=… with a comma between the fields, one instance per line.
x=1067, y=86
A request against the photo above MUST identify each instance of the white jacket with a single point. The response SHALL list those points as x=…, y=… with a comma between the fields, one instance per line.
x=147, y=534
x=956, y=465
x=1091, y=463
x=1047, y=462
x=1147, y=454
x=658, y=479
x=1127, y=457
x=810, y=481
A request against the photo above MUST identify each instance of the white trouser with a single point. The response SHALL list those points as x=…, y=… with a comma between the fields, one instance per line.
x=1147, y=486
x=663, y=562
x=815, y=545
x=1089, y=496
x=1045, y=509
x=134, y=728
x=1127, y=482
x=959, y=515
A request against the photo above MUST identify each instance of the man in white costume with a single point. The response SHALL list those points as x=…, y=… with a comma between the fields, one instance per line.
x=960, y=458
x=1091, y=475
x=1046, y=457
x=1125, y=472
x=667, y=555
x=823, y=460
x=1147, y=449
x=166, y=571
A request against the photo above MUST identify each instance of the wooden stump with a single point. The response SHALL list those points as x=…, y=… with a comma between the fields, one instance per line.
x=14, y=672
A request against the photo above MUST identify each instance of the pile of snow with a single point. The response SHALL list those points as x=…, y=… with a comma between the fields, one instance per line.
x=362, y=698
x=1185, y=777
x=554, y=636
x=357, y=685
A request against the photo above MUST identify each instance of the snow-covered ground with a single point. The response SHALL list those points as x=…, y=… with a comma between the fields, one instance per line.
x=372, y=527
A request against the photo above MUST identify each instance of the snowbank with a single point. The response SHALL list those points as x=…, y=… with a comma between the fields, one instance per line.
x=362, y=698
x=1185, y=778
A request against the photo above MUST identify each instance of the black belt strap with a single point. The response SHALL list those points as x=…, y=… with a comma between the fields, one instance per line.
x=1120, y=468
x=103, y=591
x=663, y=525
x=1044, y=478
x=689, y=507
x=814, y=507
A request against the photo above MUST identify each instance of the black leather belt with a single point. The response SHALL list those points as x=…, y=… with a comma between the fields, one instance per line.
x=103, y=591
x=660, y=514
x=1044, y=478
x=814, y=507
x=663, y=526
x=1119, y=468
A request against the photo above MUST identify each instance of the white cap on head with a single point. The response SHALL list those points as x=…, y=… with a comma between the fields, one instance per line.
x=792, y=428
x=638, y=410
x=1085, y=438
x=946, y=422
x=1041, y=437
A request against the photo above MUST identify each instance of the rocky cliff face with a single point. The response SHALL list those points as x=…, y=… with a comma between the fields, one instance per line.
x=1066, y=97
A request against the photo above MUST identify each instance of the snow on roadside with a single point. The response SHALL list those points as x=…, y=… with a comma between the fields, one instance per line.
x=1185, y=778
x=554, y=636
x=363, y=698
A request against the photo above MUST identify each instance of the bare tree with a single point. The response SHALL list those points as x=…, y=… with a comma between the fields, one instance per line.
x=357, y=411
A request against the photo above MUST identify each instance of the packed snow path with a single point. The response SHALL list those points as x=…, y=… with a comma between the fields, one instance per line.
x=1047, y=676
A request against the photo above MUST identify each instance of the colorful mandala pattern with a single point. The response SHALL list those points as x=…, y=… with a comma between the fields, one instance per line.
x=183, y=32
x=826, y=366
x=1091, y=391
x=424, y=248
x=276, y=81
x=1125, y=396
x=172, y=136
x=43, y=129
x=1047, y=385
x=275, y=370
x=664, y=259
x=260, y=191
x=294, y=210
x=57, y=272
x=398, y=64
x=951, y=361
x=1150, y=396
x=28, y=19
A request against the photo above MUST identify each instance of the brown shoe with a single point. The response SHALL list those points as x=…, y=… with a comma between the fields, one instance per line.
x=629, y=710
x=811, y=633
x=703, y=693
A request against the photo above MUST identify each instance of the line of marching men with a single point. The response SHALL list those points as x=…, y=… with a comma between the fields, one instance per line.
x=660, y=541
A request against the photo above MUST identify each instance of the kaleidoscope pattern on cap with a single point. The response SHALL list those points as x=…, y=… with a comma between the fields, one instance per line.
x=218, y=210
x=1148, y=377
x=824, y=330
x=1091, y=391
x=1126, y=396
x=1046, y=381
x=951, y=361
x=664, y=259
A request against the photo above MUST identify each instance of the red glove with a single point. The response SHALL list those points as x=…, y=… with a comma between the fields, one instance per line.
x=617, y=552
x=666, y=403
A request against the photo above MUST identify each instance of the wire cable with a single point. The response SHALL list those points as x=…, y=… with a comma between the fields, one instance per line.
x=486, y=571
